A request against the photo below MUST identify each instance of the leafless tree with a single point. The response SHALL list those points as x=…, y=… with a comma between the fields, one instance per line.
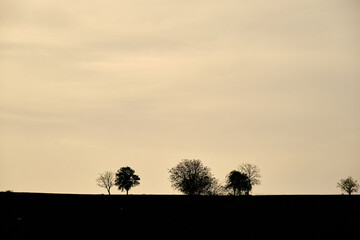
x=348, y=185
x=106, y=180
x=191, y=177
x=252, y=171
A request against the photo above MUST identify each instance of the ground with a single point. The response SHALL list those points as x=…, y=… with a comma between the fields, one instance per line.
x=70, y=216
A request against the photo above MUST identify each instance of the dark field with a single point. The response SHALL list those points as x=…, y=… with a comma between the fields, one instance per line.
x=67, y=216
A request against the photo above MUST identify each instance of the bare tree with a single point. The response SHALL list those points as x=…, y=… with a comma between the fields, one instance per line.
x=191, y=177
x=106, y=180
x=348, y=185
x=252, y=172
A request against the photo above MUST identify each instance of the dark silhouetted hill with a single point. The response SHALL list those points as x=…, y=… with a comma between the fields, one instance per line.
x=70, y=216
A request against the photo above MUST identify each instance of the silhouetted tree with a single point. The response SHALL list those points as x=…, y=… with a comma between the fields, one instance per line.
x=252, y=172
x=106, y=180
x=126, y=179
x=191, y=177
x=239, y=183
x=348, y=185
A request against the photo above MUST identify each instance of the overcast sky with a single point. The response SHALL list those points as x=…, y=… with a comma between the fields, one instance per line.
x=89, y=86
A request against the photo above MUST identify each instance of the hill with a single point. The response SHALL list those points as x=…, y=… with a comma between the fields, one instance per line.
x=70, y=216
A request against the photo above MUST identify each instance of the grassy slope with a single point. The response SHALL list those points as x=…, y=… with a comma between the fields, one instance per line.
x=35, y=215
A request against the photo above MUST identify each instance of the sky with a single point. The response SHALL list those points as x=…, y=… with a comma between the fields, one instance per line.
x=89, y=86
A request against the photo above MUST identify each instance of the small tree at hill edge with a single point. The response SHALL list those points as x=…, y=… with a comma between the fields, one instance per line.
x=126, y=179
x=348, y=185
x=106, y=180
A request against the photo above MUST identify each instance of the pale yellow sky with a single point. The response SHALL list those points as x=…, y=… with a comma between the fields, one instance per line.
x=89, y=86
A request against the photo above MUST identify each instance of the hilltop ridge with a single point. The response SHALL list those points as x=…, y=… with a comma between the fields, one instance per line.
x=40, y=215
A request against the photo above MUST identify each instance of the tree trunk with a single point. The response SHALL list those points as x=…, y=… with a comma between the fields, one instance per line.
x=127, y=192
x=108, y=191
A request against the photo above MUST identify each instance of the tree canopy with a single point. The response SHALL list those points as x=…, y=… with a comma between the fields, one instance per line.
x=238, y=183
x=348, y=185
x=191, y=177
x=126, y=179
